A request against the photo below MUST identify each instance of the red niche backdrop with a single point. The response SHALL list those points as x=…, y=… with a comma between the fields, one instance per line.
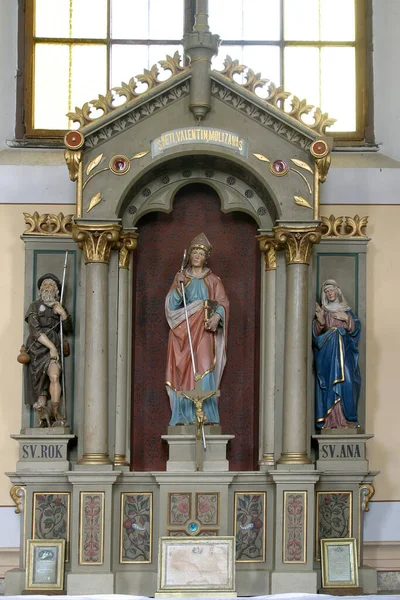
x=236, y=259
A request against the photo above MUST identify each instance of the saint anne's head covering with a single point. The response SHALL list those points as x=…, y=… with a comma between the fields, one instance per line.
x=340, y=302
x=49, y=276
x=201, y=241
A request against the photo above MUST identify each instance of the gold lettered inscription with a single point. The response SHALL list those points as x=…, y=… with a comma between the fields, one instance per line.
x=199, y=135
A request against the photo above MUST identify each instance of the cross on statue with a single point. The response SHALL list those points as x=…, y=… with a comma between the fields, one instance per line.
x=198, y=397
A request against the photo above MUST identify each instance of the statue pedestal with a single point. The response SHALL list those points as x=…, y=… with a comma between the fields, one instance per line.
x=342, y=451
x=39, y=450
x=182, y=449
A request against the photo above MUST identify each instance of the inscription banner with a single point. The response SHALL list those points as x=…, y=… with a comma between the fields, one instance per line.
x=199, y=135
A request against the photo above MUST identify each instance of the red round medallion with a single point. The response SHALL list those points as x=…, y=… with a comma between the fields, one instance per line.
x=119, y=164
x=74, y=140
x=319, y=149
x=279, y=167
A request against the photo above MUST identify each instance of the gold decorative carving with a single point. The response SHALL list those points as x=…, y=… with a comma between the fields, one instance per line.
x=302, y=201
x=94, y=201
x=96, y=240
x=277, y=97
x=127, y=243
x=367, y=491
x=48, y=224
x=302, y=165
x=106, y=102
x=73, y=159
x=298, y=242
x=322, y=165
x=93, y=163
x=17, y=494
x=354, y=227
x=269, y=246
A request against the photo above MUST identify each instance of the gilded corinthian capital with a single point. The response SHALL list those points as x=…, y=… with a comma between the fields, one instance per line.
x=269, y=246
x=127, y=243
x=297, y=242
x=96, y=240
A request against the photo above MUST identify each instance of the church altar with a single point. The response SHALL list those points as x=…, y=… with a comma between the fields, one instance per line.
x=197, y=152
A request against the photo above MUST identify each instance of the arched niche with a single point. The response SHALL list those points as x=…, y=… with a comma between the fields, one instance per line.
x=163, y=235
x=237, y=187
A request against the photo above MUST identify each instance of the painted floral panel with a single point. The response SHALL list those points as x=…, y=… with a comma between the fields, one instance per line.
x=294, y=550
x=250, y=527
x=205, y=533
x=179, y=508
x=176, y=533
x=333, y=516
x=91, y=547
x=51, y=517
x=207, y=509
x=136, y=528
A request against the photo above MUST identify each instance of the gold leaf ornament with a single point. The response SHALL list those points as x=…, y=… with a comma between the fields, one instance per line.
x=302, y=165
x=139, y=155
x=94, y=201
x=302, y=201
x=93, y=163
x=261, y=157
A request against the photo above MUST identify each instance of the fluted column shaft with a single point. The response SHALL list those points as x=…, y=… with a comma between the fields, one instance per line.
x=128, y=242
x=96, y=240
x=297, y=243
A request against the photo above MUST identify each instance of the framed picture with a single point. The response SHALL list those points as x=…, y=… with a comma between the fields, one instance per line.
x=45, y=565
x=205, y=564
x=339, y=562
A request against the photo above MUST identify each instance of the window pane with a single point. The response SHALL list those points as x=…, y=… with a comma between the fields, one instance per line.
x=226, y=18
x=337, y=20
x=261, y=20
x=338, y=65
x=302, y=74
x=264, y=60
x=87, y=59
x=52, y=18
x=129, y=20
x=301, y=20
x=51, y=86
x=127, y=61
x=166, y=20
x=89, y=18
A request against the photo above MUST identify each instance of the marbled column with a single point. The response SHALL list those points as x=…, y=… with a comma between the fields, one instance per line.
x=297, y=243
x=96, y=240
x=128, y=243
x=268, y=339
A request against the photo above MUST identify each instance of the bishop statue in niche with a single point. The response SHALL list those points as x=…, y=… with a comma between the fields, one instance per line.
x=197, y=311
x=336, y=331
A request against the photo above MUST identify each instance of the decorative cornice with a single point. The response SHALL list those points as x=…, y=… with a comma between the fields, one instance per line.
x=277, y=96
x=268, y=245
x=129, y=119
x=96, y=240
x=297, y=242
x=127, y=243
x=128, y=91
x=73, y=159
x=262, y=116
x=48, y=224
x=354, y=227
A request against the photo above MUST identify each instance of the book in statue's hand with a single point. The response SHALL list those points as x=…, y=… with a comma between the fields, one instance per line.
x=210, y=308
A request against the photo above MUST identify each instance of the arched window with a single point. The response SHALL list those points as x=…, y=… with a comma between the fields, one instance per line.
x=77, y=49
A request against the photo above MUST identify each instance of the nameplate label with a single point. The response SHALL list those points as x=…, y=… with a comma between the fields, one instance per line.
x=199, y=135
x=43, y=451
x=335, y=451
